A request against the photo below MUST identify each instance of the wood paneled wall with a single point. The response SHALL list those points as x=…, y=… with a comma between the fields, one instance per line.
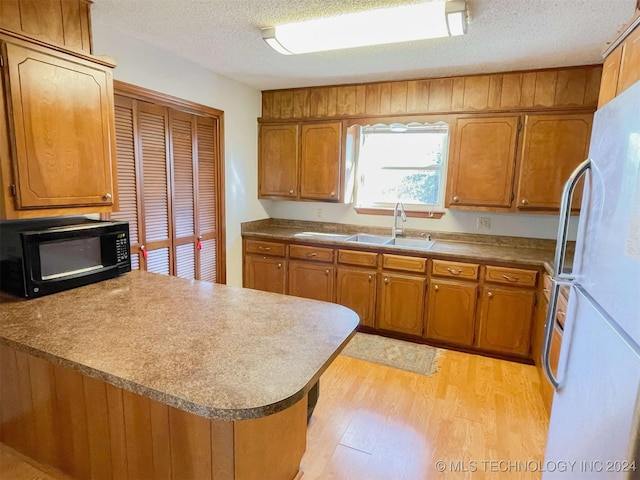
x=552, y=89
x=61, y=22
x=90, y=429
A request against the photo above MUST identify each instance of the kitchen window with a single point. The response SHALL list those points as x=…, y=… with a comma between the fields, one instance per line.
x=402, y=162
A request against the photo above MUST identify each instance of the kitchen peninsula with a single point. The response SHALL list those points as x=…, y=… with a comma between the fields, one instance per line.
x=151, y=376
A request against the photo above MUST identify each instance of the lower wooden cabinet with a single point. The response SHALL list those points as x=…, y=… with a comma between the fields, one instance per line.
x=401, y=303
x=265, y=273
x=505, y=320
x=451, y=312
x=356, y=289
x=311, y=280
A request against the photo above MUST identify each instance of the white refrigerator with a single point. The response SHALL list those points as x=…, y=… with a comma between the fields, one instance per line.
x=594, y=430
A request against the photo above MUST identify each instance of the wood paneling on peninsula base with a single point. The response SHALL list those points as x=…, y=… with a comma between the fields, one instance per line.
x=91, y=429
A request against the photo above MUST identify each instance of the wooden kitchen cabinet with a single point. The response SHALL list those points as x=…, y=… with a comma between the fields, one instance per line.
x=401, y=303
x=505, y=320
x=311, y=280
x=621, y=67
x=301, y=161
x=278, y=161
x=265, y=273
x=482, y=162
x=59, y=156
x=320, y=161
x=552, y=147
x=356, y=289
x=451, y=310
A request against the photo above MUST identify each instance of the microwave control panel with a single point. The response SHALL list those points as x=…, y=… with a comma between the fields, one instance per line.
x=122, y=247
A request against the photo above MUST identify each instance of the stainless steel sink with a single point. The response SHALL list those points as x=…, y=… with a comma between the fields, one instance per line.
x=421, y=243
x=324, y=235
x=367, y=238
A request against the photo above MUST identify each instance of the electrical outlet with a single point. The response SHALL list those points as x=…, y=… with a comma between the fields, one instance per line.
x=318, y=213
x=483, y=224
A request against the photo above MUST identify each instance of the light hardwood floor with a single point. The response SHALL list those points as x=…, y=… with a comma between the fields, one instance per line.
x=374, y=422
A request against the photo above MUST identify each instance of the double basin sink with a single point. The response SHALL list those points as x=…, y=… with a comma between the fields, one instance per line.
x=406, y=242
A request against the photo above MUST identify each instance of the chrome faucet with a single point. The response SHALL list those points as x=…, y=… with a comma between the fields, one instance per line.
x=398, y=231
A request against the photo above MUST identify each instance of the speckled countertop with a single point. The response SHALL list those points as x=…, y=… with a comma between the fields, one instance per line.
x=467, y=247
x=217, y=351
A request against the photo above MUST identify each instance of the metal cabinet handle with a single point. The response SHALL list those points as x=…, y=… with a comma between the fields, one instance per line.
x=370, y=277
x=490, y=294
x=106, y=197
x=279, y=265
x=291, y=192
x=456, y=199
x=311, y=254
x=524, y=201
x=454, y=271
x=386, y=279
x=333, y=194
x=327, y=271
x=511, y=279
x=436, y=288
x=264, y=249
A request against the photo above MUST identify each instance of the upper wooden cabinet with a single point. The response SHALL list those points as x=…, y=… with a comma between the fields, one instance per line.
x=621, y=67
x=552, y=147
x=482, y=163
x=64, y=23
x=300, y=162
x=59, y=153
x=320, y=161
x=486, y=172
x=278, y=161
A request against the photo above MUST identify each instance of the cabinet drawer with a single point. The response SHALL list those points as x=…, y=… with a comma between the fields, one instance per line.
x=364, y=259
x=561, y=311
x=406, y=264
x=511, y=276
x=311, y=253
x=265, y=248
x=554, y=350
x=546, y=288
x=455, y=269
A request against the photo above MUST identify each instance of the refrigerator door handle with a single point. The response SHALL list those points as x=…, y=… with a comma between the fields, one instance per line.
x=548, y=334
x=565, y=216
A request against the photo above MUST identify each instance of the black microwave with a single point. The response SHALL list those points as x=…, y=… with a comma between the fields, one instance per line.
x=39, y=257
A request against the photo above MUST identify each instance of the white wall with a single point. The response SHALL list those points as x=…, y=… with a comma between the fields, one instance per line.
x=534, y=226
x=150, y=67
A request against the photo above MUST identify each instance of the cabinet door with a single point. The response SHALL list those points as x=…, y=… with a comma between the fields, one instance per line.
x=610, y=74
x=505, y=320
x=401, y=303
x=265, y=273
x=356, y=289
x=452, y=311
x=278, y=161
x=63, y=127
x=311, y=280
x=483, y=162
x=320, y=161
x=552, y=147
x=630, y=62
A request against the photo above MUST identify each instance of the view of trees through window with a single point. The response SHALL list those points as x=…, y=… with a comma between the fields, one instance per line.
x=402, y=162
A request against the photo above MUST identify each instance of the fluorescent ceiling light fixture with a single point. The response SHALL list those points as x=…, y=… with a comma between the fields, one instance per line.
x=437, y=18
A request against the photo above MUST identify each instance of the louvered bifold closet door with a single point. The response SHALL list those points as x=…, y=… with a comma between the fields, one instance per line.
x=154, y=189
x=128, y=198
x=182, y=126
x=207, y=189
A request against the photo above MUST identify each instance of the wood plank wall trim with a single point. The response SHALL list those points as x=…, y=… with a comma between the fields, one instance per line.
x=549, y=89
x=91, y=429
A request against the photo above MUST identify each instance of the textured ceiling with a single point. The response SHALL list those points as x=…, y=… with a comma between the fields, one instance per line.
x=224, y=36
